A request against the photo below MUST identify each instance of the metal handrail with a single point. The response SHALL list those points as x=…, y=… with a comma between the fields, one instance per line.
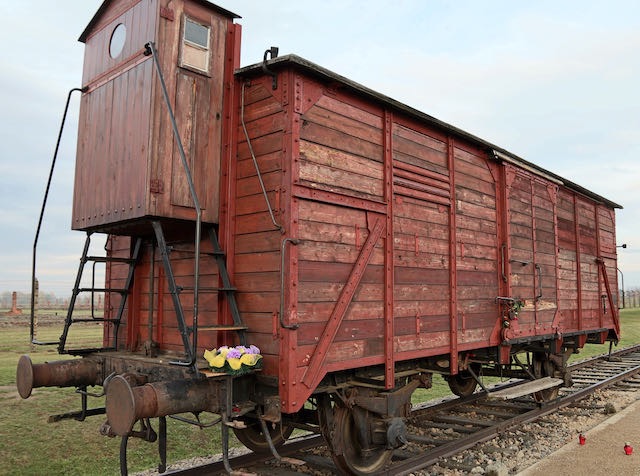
x=255, y=164
x=44, y=204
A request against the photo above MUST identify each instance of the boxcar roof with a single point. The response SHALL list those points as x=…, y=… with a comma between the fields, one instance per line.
x=87, y=31
x=498, y=153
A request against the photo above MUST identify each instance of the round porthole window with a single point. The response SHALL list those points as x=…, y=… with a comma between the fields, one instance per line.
x=118, y=38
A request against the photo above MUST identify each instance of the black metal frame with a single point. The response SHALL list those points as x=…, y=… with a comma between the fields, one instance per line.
x=44, y=204
x=124, y=293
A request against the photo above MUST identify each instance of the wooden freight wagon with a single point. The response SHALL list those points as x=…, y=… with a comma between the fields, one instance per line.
x=360, y=244
x=402, y=238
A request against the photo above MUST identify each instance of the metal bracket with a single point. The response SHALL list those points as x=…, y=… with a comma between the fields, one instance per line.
x=272, y=53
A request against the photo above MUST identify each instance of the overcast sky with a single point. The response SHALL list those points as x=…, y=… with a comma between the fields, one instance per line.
x=553, y=82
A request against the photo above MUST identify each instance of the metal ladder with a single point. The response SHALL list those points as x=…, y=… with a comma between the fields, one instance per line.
x=191, y=347
x=186, y=331
x=229, y=292
x=77, y=290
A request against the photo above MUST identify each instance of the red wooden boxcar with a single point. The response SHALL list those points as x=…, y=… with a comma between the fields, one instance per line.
x=361, y=244
x=410, y=237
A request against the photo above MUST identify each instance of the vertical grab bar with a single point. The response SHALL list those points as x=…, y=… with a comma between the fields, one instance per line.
x=503, y=263
x=539, y=270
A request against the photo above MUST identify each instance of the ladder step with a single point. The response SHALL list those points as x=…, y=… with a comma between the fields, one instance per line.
x=97, y=319
x=103, y=290
x=124, y=293
x=222, y=328
x=39, y=342
x=228, y=289
x=105, y=259
x=200, y=288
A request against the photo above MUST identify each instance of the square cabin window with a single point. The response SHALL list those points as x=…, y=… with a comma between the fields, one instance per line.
x=195, y=46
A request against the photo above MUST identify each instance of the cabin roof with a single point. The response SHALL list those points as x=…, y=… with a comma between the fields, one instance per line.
x=497, y=152
x=87, y=31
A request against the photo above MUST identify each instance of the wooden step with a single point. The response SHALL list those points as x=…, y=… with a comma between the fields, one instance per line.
x=526, y=388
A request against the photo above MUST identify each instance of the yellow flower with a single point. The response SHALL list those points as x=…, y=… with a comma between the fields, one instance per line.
x=218, y=362
x=250, y=359
x=210, y=355
x=235, y=364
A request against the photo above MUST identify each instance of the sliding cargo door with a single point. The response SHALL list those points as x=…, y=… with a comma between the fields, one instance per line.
x=531, y=255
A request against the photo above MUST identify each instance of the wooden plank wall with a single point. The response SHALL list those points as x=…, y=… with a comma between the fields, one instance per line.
x=568, y=285
x=590, y=288
x=140, y=24
x=521, y=256
x=421, y=231
x=128, y=164
x=115, y=277
x=608, y=275
x=545, y=292
x=477, y=246
x=533, y=259
x=340, y=153
x=256, y=260
x=608, y=250
x=111, y=174
x=339, y=193
x=135, y=328
x=165, y=325
x=110, y=183
x=584, y=236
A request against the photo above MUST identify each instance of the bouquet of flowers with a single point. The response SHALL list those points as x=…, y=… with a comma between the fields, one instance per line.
x=234, y=360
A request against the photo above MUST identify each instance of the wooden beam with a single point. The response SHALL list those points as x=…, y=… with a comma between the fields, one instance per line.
x=313, y=374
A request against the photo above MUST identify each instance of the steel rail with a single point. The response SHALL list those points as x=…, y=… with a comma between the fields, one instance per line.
x=290, y=448
x=448, y=449
x=431, y=456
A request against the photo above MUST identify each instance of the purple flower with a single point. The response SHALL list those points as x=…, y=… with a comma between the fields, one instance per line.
x=253, y=350
x=234, y=353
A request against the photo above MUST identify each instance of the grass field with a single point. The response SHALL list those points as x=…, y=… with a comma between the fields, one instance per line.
x=29, y=445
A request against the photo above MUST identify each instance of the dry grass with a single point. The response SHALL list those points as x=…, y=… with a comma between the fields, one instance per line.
x=29, y=445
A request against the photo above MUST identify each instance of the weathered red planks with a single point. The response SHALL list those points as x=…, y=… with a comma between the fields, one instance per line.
x=383, y=237
x=128, y=166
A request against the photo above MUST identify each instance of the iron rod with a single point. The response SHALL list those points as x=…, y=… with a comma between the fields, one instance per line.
x=44, y=205
x=151, y=48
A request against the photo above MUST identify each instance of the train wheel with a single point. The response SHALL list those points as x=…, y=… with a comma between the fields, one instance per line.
x=253, y=438
x=544, y=367
x=338, y=424
x=463, y=384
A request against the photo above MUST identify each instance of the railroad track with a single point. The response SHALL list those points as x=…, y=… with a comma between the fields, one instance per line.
x=445, y=429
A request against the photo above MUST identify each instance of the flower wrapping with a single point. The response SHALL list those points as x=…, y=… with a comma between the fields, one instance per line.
x=234, y=360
